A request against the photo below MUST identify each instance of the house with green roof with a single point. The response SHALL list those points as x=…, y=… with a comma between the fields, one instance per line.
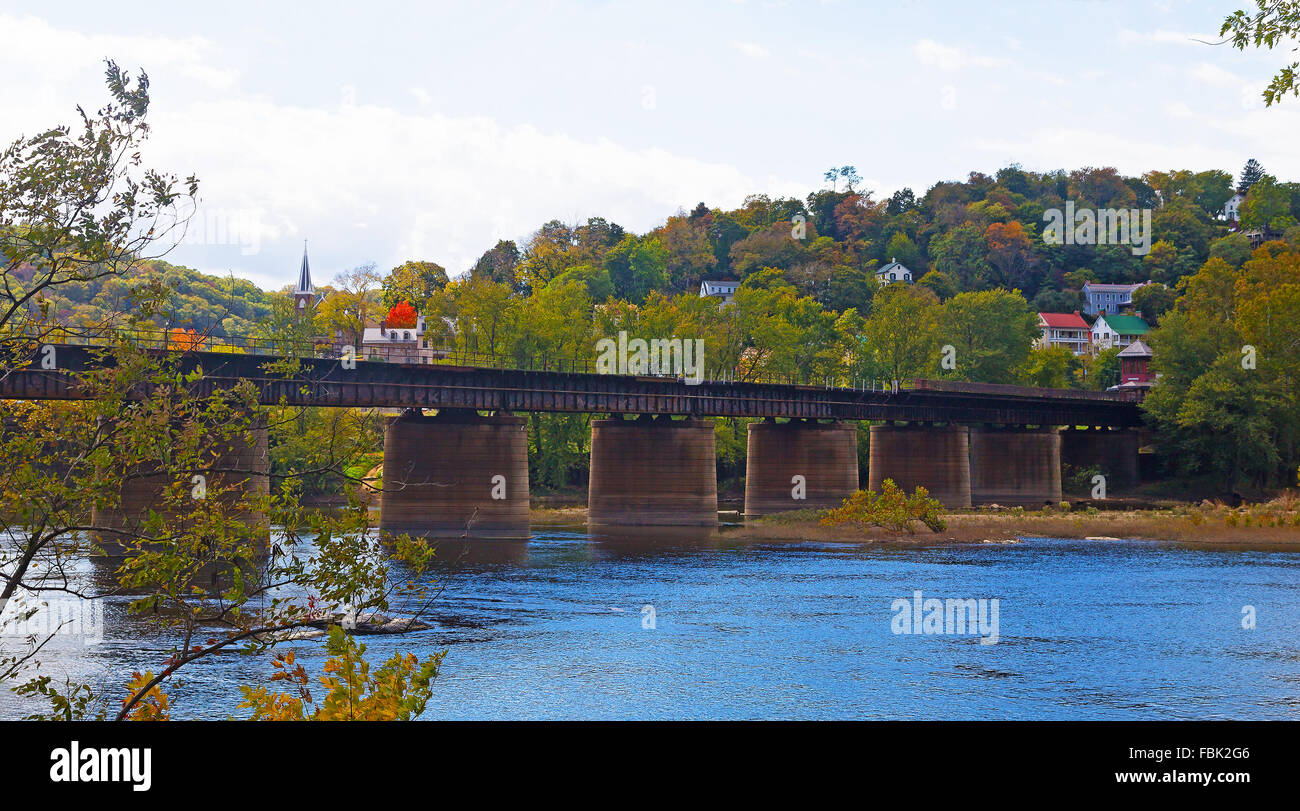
x=1117, y=330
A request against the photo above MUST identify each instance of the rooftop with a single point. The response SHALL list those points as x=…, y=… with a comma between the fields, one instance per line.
x=1126, y=324
x=1111, y=288
x=892, y=264
x=304, y=286
x=1063, y=320
x=1137, y=349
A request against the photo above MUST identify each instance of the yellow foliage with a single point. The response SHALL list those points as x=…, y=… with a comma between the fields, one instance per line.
x=154, y=706
x=398, y=691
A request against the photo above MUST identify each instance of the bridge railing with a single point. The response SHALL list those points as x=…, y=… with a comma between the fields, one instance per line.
x=403, y=353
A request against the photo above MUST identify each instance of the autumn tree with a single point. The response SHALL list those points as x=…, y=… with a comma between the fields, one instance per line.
x=352, y=304
x=497, y=264
x=414, y=282
x=1226, y=403
x=401, y=315
x=77, y=206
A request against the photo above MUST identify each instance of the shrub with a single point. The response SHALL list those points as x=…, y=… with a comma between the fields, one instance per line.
x=890, y=509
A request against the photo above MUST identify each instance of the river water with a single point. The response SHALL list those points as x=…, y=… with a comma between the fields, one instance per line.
x=570, y=626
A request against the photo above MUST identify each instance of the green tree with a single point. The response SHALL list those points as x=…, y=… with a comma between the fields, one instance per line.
x=992, y=332
x=78, y=207
x=1268, y=206
x=891, y=509
x=1102, y=371
x=416, y=282
x=1052, y=367
x=943, y=285
x=1153, y=301
x=637, y=266
x=900, y=336
x=597, y=280
x=1233, y=249
x=961, y=253
x=901, y=248
x=1226, y=404
x=352, y=305
x=498, y=263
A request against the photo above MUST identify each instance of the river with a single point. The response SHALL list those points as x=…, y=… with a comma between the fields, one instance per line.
x=660, y=626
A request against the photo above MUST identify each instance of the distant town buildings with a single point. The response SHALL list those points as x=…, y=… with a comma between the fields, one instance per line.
x=399, y=344
x=1101, y=298
x=1117, y=330
x=893, y=271
x=718, y=289
x=1133, y=363
x=304, y=293
x=1069, y=330
x=1233, y=206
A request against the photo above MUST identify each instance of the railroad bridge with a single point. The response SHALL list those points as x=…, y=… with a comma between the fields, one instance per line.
x=652, y=450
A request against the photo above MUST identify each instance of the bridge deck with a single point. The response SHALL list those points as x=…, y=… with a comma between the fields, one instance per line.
x=325, y=382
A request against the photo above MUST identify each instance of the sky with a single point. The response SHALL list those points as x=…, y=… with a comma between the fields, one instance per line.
x=384, y=132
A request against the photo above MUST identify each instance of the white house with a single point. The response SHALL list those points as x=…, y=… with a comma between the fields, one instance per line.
x=720, y=289
x=1233, y=206
x=1117, y=330
x=894, y=271
x=398, y=344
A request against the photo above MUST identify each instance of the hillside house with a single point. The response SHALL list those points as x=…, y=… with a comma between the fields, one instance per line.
x=724, y=290
x=893, y=271
x=1117, y=330
x=1101, y=298
x=1065, y=329
x=1133, y=366
x=399, y=344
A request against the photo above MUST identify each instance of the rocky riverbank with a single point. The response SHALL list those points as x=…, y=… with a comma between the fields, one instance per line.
x=1269, y=524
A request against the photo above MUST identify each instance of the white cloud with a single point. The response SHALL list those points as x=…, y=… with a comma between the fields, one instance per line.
x=751, y=49
x=1128, y=36
x=946, y=57
x=1215, y=75
x=362, y=181
x=66, y=56
x=1201, y=146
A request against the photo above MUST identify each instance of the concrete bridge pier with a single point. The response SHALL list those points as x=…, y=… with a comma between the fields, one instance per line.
x=1112, y=451
x=454, y=475
x=934, y=457
x=652, y=472
x=799, y=464
x=242, y=467
x=1015, y=467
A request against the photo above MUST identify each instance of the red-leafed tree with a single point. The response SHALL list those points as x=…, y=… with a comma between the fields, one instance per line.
x=185, y=339
x=402, y=314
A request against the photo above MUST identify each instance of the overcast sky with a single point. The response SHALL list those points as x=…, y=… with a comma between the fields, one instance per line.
x=385, y=132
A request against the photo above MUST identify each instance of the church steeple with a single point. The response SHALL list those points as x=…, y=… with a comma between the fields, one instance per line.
x=304, y=295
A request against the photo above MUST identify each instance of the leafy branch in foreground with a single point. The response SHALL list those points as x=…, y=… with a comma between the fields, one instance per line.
x=198, y=562
x=76, y=207
x=891, y=509
x=398, y=691
x=1276, y=22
